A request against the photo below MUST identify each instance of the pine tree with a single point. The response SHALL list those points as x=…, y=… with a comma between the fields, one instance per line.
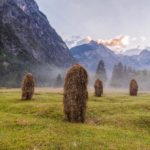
x=59, y=81
x=101, y=71
x=118, y=75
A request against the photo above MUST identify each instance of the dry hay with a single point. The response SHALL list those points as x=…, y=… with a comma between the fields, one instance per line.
x=75, y=94
x=133, y=88
x=98, y=88
x=28, y=87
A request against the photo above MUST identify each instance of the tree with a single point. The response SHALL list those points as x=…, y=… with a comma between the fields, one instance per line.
x=121, y=75
x=101, y=71
x=59, y=81
x=118, y=72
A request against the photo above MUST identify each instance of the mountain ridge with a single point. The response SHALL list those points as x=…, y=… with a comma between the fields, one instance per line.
x=90, y=53
x=34, y=32
x=29, y=40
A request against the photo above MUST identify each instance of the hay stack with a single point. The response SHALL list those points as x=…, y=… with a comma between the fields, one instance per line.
x=28, y=87
x=75, y=94
x=98, y=88
x=133, y=88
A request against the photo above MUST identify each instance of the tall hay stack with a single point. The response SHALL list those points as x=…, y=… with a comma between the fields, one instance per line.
x=98, y=88
x=75, y=94
x=133, y=88
x=28, y=84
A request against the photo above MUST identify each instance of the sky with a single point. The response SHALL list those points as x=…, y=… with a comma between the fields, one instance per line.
x=120, y=24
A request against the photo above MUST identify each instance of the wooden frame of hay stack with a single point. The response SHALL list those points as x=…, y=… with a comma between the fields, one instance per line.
x=75, y=94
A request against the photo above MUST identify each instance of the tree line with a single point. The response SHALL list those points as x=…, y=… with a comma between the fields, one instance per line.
x=121, y=76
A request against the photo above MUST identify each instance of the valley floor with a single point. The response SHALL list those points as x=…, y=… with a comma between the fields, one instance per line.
x=114, y=122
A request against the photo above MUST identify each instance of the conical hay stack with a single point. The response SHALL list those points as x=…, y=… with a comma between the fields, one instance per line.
x=98, y=88
x=28, y=84
x=133, y=88
x=75, y=94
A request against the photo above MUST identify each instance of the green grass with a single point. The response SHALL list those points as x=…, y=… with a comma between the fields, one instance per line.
x=114, y=122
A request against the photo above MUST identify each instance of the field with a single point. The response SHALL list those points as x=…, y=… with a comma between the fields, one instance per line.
x=114, y=122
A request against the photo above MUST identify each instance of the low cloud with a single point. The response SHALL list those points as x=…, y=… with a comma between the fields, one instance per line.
x=77, y=40
x=117, y=42
x=143, y=38
x=84, y=41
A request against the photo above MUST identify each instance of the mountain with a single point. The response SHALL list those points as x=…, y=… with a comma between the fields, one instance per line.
x=132, y=52
x=90, y=54
x=27, y=41
x=144, y=59
x=140, y=62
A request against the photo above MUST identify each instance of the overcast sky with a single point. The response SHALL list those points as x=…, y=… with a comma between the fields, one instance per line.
x=100, y=19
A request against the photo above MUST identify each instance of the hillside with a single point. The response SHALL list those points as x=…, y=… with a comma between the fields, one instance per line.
x=28, y=42
x=115, y=121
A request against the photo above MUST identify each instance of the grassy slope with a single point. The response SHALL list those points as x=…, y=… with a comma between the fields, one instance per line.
x=114, y=122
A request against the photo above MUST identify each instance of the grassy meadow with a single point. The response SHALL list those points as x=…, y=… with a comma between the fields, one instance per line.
x=114, y=122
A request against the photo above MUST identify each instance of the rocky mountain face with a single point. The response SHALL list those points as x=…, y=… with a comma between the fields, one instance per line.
x=90, y=54
x=27, y=41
